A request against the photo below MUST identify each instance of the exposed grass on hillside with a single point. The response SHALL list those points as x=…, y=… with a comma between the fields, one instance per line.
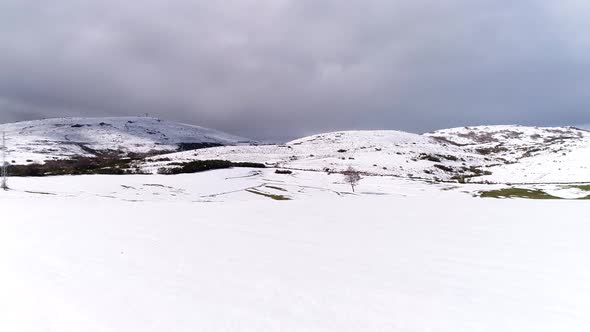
x=584, y=187
x=272, y=196
x=528, y=193
x=517, y=193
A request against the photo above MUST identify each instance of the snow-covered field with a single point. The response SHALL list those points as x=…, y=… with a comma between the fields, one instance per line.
x=239, y=184
x=215, y=252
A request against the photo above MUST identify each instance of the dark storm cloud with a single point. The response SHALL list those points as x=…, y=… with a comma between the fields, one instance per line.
x=291, y=67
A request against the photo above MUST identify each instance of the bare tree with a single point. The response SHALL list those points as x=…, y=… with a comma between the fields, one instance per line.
x=352, y=177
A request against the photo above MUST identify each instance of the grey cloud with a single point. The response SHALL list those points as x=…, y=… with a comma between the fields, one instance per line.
x=269, y=68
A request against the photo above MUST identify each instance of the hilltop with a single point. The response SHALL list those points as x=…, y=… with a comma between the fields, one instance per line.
x=63, y=138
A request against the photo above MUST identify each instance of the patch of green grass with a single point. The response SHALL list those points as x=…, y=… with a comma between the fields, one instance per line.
x=272, y=196
x=584, y=187
x=517, y=193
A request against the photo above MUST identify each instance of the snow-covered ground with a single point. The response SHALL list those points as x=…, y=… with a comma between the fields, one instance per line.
x=40, y=140
x=239, y=184
x=201, y=252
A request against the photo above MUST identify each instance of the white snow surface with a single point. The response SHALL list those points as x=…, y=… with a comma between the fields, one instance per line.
x=41, y=140
x=199, y=252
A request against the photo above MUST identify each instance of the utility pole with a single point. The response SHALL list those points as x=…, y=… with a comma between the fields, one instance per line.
x=4, y=167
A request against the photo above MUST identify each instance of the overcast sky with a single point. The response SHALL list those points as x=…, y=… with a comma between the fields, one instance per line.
x=284, y=68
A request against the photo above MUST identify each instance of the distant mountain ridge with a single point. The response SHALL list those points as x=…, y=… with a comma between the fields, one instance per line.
x=60, y=138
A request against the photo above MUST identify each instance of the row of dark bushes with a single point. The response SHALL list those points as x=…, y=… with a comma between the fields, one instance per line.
x=205, y=165
x=196, y=146
x=77, y=166
x=116, y=166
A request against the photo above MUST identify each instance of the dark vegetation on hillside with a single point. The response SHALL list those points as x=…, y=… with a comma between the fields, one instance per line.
x=196, y=146
x=204, y=165
x=468, y=173
x=112, y=161
x=437, y=158
x=116, y=166
x=132, y=155
x=76, y=166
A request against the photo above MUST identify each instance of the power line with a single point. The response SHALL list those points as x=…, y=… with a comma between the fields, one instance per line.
x=4, y=167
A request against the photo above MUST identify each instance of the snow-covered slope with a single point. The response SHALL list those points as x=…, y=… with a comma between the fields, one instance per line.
x=513, y=143
x=371, y=152
x=469, y=154
x=526, y=154
x=36, y=141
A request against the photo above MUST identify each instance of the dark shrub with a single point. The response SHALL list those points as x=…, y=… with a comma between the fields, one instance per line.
x=76, y=166
x=451, y=158
x=444, y=168
x=206, y=165
x=248, y=165
x=196, y=146
x=26, y=170
x=429, y=157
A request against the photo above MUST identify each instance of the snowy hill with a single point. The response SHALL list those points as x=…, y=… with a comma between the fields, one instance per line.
x=372, y=152
x=36, y=141
x=526, y=154
x=497, y=154
x=469, y=154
